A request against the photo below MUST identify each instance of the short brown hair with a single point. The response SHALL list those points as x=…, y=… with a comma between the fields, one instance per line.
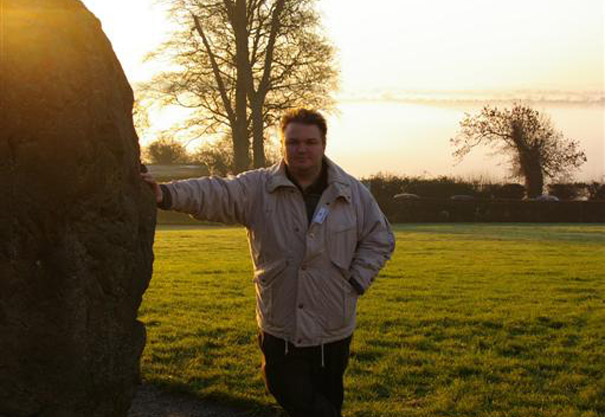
x=307, y=117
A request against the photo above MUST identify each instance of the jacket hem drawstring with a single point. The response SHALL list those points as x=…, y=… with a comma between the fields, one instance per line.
x=321, y=346
x=322, y=356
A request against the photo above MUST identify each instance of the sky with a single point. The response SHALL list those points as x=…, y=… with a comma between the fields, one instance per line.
x=447, y=45
x=389, y=49
x=469, y=44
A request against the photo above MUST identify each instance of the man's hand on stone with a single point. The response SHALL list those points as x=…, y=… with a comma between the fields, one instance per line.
x=148, y=178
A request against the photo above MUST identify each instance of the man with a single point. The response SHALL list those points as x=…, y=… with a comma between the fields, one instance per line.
x=317, y=240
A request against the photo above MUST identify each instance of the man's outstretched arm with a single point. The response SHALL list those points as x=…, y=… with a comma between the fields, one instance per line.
x=225, y=200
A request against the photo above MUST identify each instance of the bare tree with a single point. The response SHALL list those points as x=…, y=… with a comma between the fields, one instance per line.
x=536, y=149
x=217, y=156
x=166, y=151
x=238, y=64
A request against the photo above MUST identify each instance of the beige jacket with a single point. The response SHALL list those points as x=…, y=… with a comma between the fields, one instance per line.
x=301, y=271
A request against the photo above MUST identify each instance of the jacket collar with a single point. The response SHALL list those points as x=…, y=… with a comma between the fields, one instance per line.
x=338, y=186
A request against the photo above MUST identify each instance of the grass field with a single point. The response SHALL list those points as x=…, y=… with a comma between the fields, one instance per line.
x=466, y=320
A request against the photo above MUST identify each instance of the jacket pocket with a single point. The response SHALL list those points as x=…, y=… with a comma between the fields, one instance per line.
x=265, y=277
x=344, y=300
x=341, y=243
x=266, y=273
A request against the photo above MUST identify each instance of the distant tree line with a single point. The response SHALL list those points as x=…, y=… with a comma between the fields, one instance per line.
x=385, y=187
x=448, y=199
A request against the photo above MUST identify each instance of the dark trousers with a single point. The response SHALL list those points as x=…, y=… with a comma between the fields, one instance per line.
x=301, y=382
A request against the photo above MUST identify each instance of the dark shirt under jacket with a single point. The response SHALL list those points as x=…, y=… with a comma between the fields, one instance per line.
x=312, y=194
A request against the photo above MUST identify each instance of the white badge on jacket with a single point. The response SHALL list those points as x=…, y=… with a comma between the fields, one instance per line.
x=321, y=215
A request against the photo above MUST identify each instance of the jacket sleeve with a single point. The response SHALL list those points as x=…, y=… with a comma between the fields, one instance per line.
x=374, y=247
x=225, y=200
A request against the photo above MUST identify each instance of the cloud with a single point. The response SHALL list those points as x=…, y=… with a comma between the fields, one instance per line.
x=554, y=97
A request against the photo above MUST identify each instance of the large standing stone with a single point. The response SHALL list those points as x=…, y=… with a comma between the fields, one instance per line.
x=76, y=223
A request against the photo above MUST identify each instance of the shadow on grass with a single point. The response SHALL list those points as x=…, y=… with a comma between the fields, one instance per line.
x=161, y=398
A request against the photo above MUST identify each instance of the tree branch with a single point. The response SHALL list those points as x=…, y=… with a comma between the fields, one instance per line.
x=215, y=69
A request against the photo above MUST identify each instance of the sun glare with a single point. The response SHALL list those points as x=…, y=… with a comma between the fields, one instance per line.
x=135, y=28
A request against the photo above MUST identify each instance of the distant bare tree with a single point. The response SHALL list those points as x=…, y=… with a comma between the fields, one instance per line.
x=166, y=151
x=217, y=156
x=536, y=149
x=238, y=64
x=218, y=159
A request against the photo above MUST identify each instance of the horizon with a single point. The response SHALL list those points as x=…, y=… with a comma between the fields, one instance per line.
x=537, y=96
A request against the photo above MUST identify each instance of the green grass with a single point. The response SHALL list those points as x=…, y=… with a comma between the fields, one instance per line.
x=466, y=320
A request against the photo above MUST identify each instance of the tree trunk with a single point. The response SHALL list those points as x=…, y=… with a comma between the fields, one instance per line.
x=241, y=148
x=257, y=98
x=258, y=135
x=237, y=118
x=529, y=160
x=531, y=167
x=241, y=144
x=534, y=180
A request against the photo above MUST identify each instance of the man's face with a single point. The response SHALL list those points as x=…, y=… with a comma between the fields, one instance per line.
x=303, y=147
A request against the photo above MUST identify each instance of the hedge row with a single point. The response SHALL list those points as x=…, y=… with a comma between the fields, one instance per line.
x=447, y=210
x=384, y=187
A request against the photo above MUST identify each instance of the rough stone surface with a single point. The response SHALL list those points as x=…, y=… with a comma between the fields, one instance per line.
x=76, y=222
